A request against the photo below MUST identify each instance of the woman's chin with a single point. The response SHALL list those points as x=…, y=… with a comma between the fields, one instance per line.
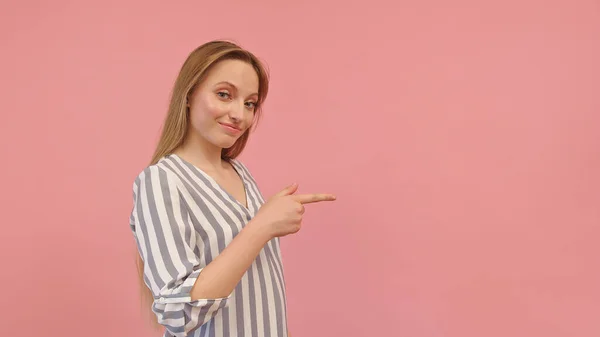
x=223, y=140
x=226, y=143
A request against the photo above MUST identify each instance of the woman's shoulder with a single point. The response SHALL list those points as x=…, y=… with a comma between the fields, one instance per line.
x=161, y=172
x=151, y=184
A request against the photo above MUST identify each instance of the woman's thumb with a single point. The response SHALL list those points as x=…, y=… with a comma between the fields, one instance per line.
x=291, y=189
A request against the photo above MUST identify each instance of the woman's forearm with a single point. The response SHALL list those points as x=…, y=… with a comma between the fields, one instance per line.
x=220, y=277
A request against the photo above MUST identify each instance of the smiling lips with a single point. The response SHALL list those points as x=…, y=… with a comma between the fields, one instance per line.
x=230, y=128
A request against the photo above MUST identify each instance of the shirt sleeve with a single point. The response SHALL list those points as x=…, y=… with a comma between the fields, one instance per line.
x=165, y=239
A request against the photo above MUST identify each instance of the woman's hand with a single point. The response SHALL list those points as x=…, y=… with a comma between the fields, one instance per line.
x=282, y=214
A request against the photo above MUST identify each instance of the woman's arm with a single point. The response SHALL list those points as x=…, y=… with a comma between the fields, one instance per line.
x=279, y=216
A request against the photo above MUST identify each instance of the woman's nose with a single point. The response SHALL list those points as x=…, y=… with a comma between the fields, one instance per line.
x=237, y=111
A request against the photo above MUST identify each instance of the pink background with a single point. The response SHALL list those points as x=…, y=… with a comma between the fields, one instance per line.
x=462, y=140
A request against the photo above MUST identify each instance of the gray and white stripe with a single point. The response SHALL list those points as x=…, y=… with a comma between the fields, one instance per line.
x=181, y=220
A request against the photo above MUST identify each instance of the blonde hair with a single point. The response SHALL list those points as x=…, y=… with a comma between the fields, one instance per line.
x=175, y=128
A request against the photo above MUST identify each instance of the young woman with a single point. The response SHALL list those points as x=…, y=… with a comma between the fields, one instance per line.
x=209, y=250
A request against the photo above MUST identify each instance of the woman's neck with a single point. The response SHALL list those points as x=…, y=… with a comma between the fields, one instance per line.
x=201, y=153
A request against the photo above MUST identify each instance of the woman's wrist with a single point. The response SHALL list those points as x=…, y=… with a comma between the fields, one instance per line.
x=259, y=230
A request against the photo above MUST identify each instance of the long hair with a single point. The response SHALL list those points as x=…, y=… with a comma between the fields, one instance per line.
x=175, y=128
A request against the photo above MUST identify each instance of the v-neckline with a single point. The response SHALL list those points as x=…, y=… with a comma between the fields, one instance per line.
x=221, y=188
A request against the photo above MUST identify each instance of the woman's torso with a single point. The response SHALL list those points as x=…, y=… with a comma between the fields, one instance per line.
x=258, y=304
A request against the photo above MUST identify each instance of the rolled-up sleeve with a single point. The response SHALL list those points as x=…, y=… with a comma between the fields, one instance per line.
x=166, y=239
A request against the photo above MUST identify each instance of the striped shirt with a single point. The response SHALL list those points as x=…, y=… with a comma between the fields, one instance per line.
x=181, y=220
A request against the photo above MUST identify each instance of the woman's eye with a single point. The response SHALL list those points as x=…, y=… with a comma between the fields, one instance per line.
x=223, y=94
x=251, y=105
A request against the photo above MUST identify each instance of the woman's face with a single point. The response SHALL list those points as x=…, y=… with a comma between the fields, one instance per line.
x=222, y=107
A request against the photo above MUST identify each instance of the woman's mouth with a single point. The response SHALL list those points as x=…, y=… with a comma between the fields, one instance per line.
x=230, y=128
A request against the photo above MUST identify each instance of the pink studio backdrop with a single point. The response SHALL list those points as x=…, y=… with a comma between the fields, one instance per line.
x=462, y=140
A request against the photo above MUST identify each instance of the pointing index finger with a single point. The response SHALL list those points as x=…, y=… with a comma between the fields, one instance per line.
x=312, y=198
